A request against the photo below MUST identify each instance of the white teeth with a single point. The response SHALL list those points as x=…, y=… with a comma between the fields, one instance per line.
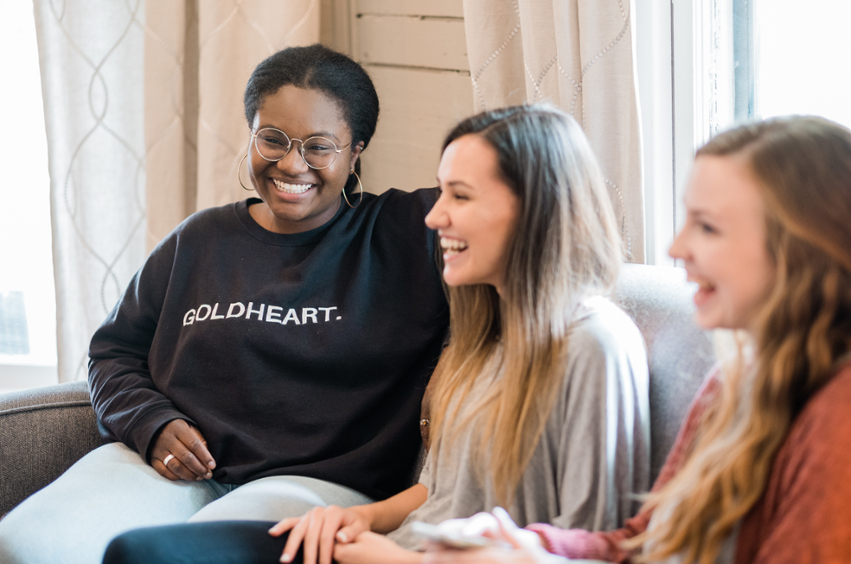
x=452, y=246
x=291, y=188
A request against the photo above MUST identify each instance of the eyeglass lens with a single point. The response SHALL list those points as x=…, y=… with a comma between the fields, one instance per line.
x=318, y=152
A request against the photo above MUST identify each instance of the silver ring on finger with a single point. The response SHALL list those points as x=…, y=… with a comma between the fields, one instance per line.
x=167, y=459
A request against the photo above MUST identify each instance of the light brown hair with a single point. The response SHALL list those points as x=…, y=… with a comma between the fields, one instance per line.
x=565, y=248
x=802, y=166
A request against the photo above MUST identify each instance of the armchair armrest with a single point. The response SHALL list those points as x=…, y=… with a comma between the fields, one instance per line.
x=43, y=431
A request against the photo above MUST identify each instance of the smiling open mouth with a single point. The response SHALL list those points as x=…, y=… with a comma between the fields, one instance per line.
x=452, y=246
x=705, y=286
x=291, y=188
x=704, y=291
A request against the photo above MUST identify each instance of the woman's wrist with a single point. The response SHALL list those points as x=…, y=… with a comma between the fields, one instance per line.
x=545, y=542
x=366, y=513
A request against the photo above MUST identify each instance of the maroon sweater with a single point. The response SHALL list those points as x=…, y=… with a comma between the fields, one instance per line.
x=803, y=517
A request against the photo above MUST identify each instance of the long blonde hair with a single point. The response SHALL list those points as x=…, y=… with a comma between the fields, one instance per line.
x=803, y=326
x=565, y=247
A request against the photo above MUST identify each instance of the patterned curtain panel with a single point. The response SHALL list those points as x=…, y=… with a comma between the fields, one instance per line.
x=578, y=55
x=143, y=109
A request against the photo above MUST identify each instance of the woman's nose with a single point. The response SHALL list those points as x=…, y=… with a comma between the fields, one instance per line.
x=677, y=250
x=437, y=218
x=293, y=162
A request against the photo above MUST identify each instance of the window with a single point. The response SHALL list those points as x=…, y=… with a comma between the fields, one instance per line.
x=27, y=298
x=801, y=54
x=704, y=65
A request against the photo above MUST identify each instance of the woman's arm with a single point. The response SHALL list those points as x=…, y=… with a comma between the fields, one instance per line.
x=587, y=545
x=600, y=424
x=387, y=515
x=321, y=527
x=129, y=406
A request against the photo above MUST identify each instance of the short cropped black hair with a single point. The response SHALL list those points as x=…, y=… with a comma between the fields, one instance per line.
x=323, y=69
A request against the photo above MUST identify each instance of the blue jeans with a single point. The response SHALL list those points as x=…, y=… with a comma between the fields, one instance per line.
x=112, y=490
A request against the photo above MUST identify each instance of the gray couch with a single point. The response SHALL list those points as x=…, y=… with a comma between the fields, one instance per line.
x=45, y=430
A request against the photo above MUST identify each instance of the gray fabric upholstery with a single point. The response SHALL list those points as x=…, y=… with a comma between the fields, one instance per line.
x=43, y=431
x=680, y=354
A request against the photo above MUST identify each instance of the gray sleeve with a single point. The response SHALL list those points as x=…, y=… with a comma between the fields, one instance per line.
x=426, y=477
x=604, y=446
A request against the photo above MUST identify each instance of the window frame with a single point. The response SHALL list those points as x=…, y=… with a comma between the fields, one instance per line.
x=687, y=93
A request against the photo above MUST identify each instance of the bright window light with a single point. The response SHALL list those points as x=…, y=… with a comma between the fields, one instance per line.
x=27, y=297
x=802, y=58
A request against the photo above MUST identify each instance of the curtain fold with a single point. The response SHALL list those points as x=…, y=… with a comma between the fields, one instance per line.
x=144, y=119
x=577, y=54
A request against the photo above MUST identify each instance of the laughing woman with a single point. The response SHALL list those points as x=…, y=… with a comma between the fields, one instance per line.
x=761, y=471
x=540, y=398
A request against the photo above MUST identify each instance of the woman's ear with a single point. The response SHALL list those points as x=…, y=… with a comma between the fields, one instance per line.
x=356, y=151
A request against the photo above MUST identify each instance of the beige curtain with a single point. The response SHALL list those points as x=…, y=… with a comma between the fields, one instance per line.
x=577, y=54
x=143, y=110
x=198, y=57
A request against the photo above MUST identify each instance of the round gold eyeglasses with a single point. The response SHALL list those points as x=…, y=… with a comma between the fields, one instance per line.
x=317, y=152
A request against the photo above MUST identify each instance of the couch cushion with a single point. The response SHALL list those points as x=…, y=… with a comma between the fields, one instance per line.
x=680, y=354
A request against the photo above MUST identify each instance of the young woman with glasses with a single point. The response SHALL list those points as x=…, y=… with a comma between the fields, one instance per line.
x=271, y=354
x=539, y=401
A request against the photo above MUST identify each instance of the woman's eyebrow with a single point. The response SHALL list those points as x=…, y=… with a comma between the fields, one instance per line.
x=454, y=183
x=702, y=214
x=323, y=134
x=328, y=134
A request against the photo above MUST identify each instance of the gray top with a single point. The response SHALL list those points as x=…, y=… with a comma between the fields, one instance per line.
x=594, y=452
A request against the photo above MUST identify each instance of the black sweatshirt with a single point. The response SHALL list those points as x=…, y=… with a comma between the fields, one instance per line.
x=302, y=354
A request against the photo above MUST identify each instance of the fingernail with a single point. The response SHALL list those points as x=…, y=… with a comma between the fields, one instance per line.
x=211, y=464
x=286, y=558
x=208, y=475
x=341, y=536
x=199, y=479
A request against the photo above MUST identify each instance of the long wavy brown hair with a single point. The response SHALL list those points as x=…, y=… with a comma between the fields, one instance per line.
x=802, y=166
x=565, y=247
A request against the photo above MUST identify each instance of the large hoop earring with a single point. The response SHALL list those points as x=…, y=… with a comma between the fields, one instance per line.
x=238, y=167
x=360, y=192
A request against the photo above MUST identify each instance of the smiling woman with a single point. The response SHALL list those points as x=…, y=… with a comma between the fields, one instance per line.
x=475, y=215
x=722, y=243
x=298, y=192
x=274, y=351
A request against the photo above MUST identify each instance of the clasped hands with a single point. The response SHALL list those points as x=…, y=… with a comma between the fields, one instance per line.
x=344, y=535
x=339, y=533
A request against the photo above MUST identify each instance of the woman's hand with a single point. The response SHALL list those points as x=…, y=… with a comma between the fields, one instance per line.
x=319, y=529
x=180, y=453
x=522, y=546
x=372, y=548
